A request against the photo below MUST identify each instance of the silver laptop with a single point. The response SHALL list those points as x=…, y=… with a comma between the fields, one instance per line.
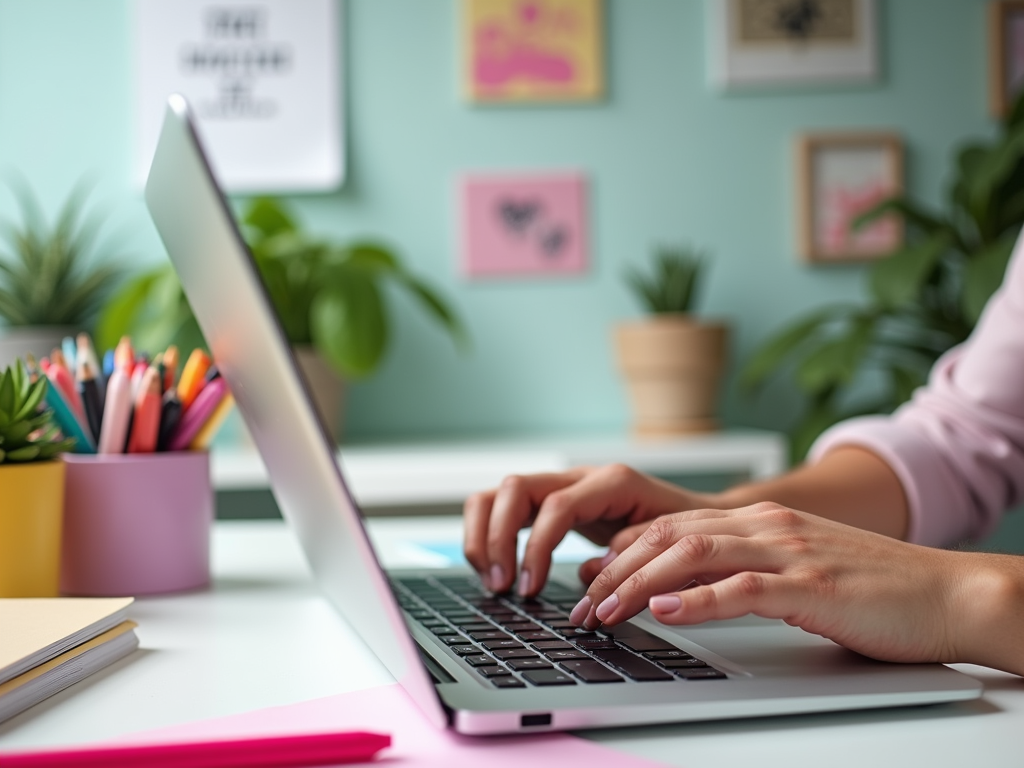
x=473, y=661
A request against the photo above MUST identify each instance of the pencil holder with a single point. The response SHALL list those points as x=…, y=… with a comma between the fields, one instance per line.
x=136, y=524
x=31, y=502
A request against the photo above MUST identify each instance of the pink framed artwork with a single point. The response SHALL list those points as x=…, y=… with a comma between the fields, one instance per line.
x=1006, y=52
x=523, y=225
x=532, y=50
x=840, y=176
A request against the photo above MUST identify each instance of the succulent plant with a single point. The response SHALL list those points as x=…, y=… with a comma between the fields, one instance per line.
x=27, y=429
x=672, y=285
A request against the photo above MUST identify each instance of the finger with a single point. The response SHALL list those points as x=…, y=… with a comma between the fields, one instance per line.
x=515, y=502
x=662, y=534
x=607, y=494
x=625, y=538
x=589, y=569
x=769, y=595
x=695, y=556
x=476, y=514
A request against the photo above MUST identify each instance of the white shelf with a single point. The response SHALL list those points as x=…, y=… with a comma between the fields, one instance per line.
x=447, y=471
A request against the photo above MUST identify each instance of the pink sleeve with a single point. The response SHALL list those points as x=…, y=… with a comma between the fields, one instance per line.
x=958, y=445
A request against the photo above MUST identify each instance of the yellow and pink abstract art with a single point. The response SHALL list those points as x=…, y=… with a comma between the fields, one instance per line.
x=532, y=50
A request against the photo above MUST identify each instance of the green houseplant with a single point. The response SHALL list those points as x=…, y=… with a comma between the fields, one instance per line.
x=672, y=361
x=51, y=282
x=854, y=359
x=31, y=488
x=330, y=298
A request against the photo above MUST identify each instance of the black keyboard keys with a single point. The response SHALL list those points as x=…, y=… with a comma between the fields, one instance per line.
x=632, y=666
x=543, y=677
x=590, y=671
x=507, y=681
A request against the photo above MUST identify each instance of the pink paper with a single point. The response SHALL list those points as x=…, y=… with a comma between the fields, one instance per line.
x=414, y=741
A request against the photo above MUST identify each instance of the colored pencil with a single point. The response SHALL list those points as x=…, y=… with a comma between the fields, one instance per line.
x=193, y=377
x=146, y=416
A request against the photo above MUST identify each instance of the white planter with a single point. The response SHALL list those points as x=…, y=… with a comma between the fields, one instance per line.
x=38, y=340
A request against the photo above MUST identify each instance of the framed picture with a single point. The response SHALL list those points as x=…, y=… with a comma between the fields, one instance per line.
x=1006, y=54
x=532, y=50
x=523, y=225
x=839, y=177
x=764, y=43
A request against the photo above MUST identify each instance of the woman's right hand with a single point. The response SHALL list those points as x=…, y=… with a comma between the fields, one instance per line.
x=597, y=502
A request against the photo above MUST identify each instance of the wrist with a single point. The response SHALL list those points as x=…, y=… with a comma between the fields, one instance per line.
x=986, y=625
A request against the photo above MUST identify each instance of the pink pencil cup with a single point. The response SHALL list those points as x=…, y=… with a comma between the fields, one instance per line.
x=136, y=524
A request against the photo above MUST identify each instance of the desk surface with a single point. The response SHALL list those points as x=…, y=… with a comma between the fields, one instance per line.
x=264, y=637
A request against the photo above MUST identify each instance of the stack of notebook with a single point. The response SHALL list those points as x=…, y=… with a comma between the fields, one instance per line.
x=47, y=644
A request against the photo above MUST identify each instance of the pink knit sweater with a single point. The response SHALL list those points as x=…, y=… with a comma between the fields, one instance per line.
x=958, y=446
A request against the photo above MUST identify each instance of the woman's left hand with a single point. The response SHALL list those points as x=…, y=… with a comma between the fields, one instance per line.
x=881, y=597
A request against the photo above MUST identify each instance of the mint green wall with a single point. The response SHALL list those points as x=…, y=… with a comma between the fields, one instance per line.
x=668, y=160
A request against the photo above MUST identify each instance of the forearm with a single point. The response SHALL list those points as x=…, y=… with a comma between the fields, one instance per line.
x=850, y=485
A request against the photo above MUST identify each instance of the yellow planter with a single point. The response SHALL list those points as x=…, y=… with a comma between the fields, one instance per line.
x=31, y=519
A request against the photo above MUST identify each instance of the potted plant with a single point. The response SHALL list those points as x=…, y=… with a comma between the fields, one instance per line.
x=51, y=284
x=672, y=362
x=31, y=487
x=854, y=359
x=329, y=298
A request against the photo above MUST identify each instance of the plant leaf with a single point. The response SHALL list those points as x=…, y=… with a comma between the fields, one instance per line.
x=983, y=275
x=349, y=325
x=897, y=279
x=835, y=362
x=267, y=217
x=438, y=309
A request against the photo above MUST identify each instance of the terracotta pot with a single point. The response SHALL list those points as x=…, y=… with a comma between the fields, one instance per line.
x=673, y=367
x=326, y=387
x=31, y=522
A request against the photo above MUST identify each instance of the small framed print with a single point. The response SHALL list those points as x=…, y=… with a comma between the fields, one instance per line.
x=529, y=225
x=532, y=50
x=766, y=43
x=839, y=177
x=1006, y=51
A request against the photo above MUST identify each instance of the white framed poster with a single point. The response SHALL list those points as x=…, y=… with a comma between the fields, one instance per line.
x=765, y=43
x=264, y=81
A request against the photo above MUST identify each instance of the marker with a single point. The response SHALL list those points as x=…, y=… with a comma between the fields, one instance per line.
x=193, y=377
x=170, y=415
x=198, y=414
x=86, y=354
x=108, y=363
x=146, y=418
x=62, y=381
x=209, y=430
x=89, y=391
x=57, y=358
x=68, y=347
x=139, y=368
x=68, y=421
x=171, y=364
x=117, y=413
x=124, y=355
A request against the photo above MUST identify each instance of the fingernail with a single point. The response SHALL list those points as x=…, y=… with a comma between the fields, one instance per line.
x=607, y=559
x=665, y=603
x=497, y=577
x=607, y=608
x=524, y=583
x=579, y=613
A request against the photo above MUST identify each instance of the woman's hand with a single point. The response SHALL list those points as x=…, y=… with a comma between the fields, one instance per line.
x=596, y=502
x=871, y=593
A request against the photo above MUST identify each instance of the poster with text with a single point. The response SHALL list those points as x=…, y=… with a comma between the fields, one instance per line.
x=263, y=79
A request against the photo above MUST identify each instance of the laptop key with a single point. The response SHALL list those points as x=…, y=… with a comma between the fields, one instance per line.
x=632, y=666
x=521, y=665
x=645, y=642
x=690, y=663
x=507, y=681
x=494, y=645
x=590, y=671
x=594, y=643
x=552, y=645
x=464, y=650
x=455, y=639
x=561, y=624
x=565, y=655
x=480, y=660
x=492, y=634
x=533, y=637
x=542, y=677
x=673, y=654
x=514, y=653
x=705, y=673
x=477, y=626
x=492, y=671
x=522, y=626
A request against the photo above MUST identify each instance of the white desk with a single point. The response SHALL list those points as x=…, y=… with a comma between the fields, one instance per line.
x=263, y=637
x=446, y=472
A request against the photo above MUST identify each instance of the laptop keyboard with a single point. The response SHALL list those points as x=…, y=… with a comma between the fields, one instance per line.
x=515, y=642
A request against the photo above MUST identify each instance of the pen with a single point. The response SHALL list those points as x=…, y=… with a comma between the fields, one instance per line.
x=171, y=364
x=192, y=377
x=207, y=432
x=61, y=379
x=117, y=412
x=89, y=391
x=170, y=415
x=124, y=355
x=146, y=418
x=139, y=368
x=260, y=752
x=193, y=418
x=86, y=354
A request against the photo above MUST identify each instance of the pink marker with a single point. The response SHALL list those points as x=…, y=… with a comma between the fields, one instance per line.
x=198, y=413
x=117, y=412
